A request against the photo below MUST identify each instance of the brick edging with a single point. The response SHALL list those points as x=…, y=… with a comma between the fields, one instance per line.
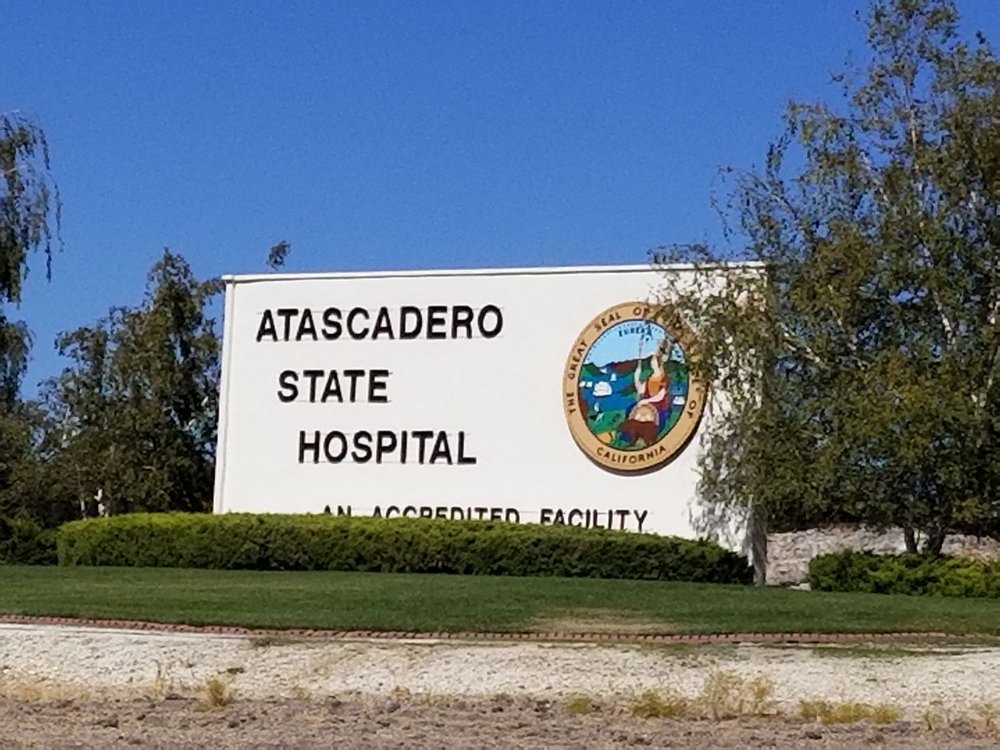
x=538, y=636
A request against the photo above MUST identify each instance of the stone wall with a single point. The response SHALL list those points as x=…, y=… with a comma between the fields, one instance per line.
x=788, y=554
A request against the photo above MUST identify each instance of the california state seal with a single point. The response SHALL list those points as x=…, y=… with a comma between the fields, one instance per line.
x=631, y=401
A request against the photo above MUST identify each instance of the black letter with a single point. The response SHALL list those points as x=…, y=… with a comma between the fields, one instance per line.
x=421, y=436
x=622, y=517
x=385, y=443
x=266, y=327
x=441, y=448
x=462, y=458
x=357, y=311
x=306, y=325
x=640, y=517
x=288, y=391
x=353, y=375
x=338, y=457
x=461, y=317
x=382, y=324
x=332, y=388
x=376, y=382
x=312, y=376
x=436, y=322
x=311, y=445
x=410, y=333
x=331, y=323
x=497, y=322
x=362, y=447
x=288, y=313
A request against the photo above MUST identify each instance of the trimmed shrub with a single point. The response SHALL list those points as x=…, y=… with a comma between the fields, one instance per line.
x=24, y=542
x=919, y=574
x=398, y=545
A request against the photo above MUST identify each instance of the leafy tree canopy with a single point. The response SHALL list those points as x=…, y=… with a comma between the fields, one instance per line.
x=132, y=421
x=29, y=222
x=857, y=354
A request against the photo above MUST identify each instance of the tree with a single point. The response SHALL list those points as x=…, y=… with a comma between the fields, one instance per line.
x=29, y=210
x=858, y=353
x=133, y=418
x=24, y=489
x=278, y=255
x=29, y=222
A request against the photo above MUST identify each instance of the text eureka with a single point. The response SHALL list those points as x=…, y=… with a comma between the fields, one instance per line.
x=352, y=385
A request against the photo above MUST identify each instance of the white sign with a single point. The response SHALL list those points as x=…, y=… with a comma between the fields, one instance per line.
x=536, y=396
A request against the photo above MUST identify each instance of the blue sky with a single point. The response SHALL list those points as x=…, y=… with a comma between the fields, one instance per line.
x=380, y=135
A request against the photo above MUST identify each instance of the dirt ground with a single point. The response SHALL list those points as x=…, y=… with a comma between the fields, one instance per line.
x=413, y=723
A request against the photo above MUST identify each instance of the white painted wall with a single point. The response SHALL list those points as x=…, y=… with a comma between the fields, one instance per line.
x=503, y=393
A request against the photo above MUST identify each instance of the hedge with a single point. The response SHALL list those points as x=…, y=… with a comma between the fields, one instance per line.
x=919, y=574
x=24, y=542
x=398, y=545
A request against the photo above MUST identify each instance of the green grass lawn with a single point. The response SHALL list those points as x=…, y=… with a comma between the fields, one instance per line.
x=382, y=601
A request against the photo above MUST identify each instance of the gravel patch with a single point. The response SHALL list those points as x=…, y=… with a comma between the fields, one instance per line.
x=82, y=663
x=109, y=686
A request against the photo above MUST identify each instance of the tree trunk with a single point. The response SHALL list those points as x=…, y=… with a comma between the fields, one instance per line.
x=758, y=548
x=911, y=539
x=935, y=542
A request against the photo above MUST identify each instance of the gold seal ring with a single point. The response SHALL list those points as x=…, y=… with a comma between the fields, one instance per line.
x=630, y=398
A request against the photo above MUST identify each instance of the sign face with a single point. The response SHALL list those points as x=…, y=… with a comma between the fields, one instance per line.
x=533, y=396
x=629, y=397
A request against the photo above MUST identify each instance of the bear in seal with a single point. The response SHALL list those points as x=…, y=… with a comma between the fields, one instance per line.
x=634, y=430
